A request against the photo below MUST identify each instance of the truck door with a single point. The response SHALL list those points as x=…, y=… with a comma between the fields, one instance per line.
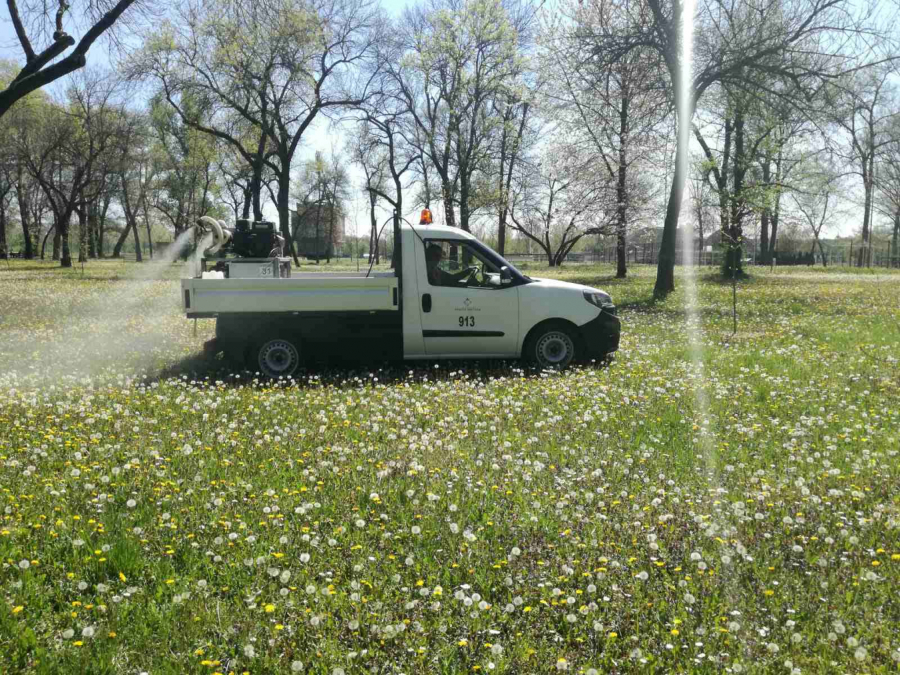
x=466, y=308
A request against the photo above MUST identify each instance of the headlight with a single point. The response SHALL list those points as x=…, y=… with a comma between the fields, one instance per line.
x=598, y=298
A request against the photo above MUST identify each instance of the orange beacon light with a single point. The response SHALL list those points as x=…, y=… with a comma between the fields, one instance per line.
x=425, y=218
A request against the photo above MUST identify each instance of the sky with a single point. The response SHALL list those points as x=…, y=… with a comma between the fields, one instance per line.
x=326, y=137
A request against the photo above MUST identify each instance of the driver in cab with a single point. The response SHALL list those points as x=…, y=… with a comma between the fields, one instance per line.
x=438, y=277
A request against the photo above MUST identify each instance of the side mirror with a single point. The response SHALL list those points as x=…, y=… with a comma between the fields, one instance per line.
x=494, y=279
x=505, y=275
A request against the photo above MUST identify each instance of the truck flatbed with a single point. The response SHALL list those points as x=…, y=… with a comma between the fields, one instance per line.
x=304, y=292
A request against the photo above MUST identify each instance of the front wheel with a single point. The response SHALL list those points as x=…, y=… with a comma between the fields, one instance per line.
x=278, y=358
x=551, y=346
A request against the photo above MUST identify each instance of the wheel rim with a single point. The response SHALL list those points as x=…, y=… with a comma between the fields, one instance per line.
x=278, y=358
x=555, y=349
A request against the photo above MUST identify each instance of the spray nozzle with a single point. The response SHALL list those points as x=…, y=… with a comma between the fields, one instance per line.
x=221, y=235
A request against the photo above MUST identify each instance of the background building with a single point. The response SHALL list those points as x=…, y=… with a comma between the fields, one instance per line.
x=318, y=230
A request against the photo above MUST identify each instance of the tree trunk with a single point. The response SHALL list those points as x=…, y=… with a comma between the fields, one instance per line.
x=764, y=216
x=44, y=242
x=447, y=196
x=621, y=189
x=373, y=235
x=895, y=240
x=4, y=252
x=248, y=198
x=464, y=202
x=665, y=269
x=284, y=209
x=92, y=229
x=776, y=212
x=65, y=259
x=57, y=239
x=101, y=227
x=117, y=249
x=821, y=251
x=864, y=257
x=24, y=213
x=138, y=255
x=149, y=234
x=82, y=234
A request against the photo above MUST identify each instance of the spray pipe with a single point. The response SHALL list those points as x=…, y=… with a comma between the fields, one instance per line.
x=221, y=235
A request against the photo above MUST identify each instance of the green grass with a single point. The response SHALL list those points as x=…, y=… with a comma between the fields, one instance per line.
x=161, y=514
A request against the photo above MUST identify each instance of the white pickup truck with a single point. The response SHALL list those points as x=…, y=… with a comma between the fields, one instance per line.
x=449, y=297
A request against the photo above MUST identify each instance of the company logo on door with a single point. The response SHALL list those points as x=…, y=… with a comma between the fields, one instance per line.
x=468, y=307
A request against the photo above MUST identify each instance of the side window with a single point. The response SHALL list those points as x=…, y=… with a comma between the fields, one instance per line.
x=456, y=264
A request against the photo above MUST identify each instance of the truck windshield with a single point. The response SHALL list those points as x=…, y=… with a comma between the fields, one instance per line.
x=500, y=261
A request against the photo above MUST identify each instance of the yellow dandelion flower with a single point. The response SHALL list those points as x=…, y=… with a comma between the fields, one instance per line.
x=269, y=608
x=17, y=609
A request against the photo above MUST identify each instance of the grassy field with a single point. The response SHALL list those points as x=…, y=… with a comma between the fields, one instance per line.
x=728, y=507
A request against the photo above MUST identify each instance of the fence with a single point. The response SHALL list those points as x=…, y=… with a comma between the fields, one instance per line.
x=648, y=254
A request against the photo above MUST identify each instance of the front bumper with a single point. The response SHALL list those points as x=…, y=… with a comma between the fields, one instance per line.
x=600, y=336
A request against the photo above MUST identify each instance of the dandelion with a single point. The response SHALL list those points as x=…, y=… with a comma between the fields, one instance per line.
x=860, y=654
x=249, y=651
x=68, y=634
x=88, y=632
x=562, y=664
x=24, y=564
x=131, y=503
x=296, y=666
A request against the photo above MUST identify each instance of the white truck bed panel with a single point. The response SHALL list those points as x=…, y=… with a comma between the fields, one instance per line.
x=309, y=293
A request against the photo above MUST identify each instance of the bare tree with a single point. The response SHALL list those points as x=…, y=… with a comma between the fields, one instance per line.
x=458, y=58
x=555, y=203
x=864, y=106
x=613, y=108
x=887, y=184
x=47, y=22
x=816, y=201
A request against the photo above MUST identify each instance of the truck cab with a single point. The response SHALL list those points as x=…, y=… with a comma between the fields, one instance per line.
x=452, y=297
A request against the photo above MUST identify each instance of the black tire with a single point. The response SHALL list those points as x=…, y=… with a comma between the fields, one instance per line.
x=277, y=357
x=551, y=345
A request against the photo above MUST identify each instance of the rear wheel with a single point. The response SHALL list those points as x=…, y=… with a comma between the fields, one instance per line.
x=278, y=357
x=553, y=345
